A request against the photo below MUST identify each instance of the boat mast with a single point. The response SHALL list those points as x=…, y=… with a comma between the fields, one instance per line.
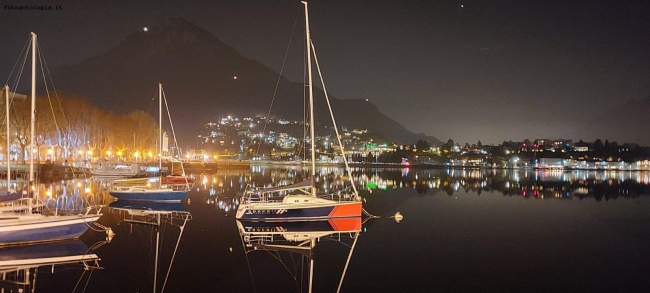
x=312, y=244
x=33, y=114
x=160, y=130
x=155, y=267
x=311, y=101
x=8, y=140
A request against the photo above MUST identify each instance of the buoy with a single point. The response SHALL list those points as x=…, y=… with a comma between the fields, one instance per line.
x=109, y=234
x=231, y=249
x=398, y=217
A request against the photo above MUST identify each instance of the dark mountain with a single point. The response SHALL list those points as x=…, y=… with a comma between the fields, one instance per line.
x=197, y=72
x=626, y=123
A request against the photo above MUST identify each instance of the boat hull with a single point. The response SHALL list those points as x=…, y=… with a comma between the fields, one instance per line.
x=350, y=224
x=289, y=212
x=45, y=228
x=166, y=196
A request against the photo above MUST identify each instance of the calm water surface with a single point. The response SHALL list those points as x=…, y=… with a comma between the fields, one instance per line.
x=463, y=231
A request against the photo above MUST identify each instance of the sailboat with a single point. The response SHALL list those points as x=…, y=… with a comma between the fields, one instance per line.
x=148, y=191
x=299, y=238
x=274, y=204
x=27, y=227
x=153, y=216
x=19, y=265
x=115, y=169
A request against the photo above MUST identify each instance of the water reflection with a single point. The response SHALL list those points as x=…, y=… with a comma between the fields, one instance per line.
x=139, y=225
x=217, y=254
x=221, y=189
x=289, y=247
x=20, y=265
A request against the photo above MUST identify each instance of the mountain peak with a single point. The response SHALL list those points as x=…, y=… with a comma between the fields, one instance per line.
x=198, y=72
x=171, y=39
x=179, y=22
x=177, y=30
x=180, y=26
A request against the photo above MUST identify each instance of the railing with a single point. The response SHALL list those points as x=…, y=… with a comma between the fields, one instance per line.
x=341, y=195
x=251, y=196
x=179, y=187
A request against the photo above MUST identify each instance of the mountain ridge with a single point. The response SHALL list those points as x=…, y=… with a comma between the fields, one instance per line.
x=620, y=124
x=204, y=79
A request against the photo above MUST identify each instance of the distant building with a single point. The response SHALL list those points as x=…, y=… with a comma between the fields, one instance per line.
x=581, y=147
x=553, y=163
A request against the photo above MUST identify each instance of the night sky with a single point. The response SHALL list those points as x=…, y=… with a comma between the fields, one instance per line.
x=466, y=70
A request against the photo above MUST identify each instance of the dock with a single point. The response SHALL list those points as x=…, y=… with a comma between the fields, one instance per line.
x=47, y=172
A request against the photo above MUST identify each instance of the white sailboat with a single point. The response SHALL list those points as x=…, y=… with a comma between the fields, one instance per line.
x=112, y=169
x=270, y=204
x=160, y=191
x=27, y=227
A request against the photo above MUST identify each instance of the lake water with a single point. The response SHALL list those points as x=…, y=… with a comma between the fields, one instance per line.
x=463, y=231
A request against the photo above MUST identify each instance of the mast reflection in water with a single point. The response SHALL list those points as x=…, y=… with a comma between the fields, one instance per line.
x=463, y=231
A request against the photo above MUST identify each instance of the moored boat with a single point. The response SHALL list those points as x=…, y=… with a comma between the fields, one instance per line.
x=265, y=205
x=160, y=191
x=115, y=169
x=278, y=203
x=26, y=227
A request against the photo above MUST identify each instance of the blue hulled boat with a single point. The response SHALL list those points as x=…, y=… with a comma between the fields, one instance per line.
x=33, y=228
x=159, y=191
